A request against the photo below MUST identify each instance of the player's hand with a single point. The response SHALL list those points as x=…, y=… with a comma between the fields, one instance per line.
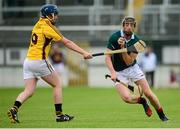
x=113, y=76
x=121, y=42
x=87, y=55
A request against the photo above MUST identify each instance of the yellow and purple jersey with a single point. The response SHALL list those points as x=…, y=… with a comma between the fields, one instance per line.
x=42, y=35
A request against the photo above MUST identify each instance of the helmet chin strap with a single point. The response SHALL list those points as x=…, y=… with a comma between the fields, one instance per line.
x=51, y=19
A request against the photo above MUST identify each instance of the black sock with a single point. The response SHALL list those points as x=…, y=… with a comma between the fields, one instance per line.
x=17, y=105
x=58, y=108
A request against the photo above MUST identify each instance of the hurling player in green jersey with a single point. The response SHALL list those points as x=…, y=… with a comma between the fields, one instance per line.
x=123, y=66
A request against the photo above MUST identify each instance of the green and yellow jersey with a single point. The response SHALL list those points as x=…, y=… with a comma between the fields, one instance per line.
x=117, y=60
x=43, y=34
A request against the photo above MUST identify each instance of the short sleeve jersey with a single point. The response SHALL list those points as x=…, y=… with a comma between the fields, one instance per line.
x=42, y=35
x=117, y=60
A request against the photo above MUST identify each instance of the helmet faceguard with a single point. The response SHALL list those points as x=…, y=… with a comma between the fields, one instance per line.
x=129, y=20
x=49, y=11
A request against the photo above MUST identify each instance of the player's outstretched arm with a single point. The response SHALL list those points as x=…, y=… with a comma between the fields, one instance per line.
x=71, y=45
x=110, y=66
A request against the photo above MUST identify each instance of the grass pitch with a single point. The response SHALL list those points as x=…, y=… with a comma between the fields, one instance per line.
x=92, y=108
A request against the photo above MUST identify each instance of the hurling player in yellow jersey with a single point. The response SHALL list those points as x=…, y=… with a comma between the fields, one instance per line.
x=37, y=65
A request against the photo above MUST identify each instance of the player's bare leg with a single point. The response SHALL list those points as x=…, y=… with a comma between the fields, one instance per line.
x=126, y=94
x=152, y=98
x=128, y=97
x=54, y=80
x=30, y=86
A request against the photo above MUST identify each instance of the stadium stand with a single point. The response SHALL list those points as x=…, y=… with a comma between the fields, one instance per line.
x=90, y=21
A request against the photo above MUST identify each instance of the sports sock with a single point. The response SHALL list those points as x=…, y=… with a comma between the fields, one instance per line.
x=58, y=108
x=139, y=100
x=17, y=105
x=161, y=114
x=160, y=111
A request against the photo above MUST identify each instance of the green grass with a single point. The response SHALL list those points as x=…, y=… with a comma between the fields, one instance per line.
x=92, y=108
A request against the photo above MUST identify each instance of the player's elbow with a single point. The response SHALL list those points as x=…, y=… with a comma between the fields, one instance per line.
x=65, y=41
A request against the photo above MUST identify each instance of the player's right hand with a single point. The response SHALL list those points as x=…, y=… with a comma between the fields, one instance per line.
x=121, y=42
x=87, y=55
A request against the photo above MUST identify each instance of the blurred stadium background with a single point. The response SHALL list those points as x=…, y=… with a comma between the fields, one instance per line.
x=89, y=23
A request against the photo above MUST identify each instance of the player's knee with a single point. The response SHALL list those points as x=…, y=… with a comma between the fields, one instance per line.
x=57, y=86
x=127, y=99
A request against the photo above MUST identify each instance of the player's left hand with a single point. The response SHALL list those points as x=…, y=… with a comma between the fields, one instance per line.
x=113, y=76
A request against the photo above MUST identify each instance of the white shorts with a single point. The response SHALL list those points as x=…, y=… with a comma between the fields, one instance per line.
x=131, y=74
x=36, y=68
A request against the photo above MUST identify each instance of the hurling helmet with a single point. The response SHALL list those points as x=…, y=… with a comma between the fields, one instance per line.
x=129, y=19
x=49, y=9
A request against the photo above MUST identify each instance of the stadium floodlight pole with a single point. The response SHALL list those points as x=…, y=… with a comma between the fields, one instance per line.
x=139, y=46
